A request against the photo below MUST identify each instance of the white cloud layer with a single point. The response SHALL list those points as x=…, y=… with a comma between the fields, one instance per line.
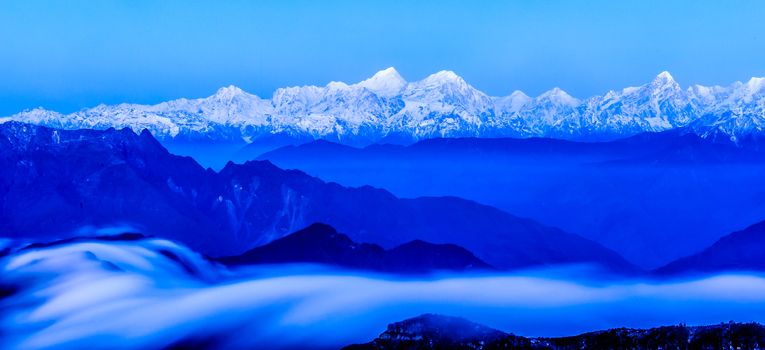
x=154, y=293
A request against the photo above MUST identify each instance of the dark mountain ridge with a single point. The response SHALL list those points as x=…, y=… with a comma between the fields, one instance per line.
x=740, y=251
x=56, y=182
x=320, y=243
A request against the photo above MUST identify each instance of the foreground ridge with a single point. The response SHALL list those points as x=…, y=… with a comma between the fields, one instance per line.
x=431, y=331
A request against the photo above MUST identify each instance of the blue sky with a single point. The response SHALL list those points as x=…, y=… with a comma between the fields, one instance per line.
x=67, y=55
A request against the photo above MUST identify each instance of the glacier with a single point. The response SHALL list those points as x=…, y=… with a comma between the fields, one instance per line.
x=387, y=108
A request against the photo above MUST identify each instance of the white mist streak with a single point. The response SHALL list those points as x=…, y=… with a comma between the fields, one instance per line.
x=132, y=295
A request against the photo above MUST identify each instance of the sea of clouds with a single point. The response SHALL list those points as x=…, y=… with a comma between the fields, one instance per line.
x=152, y=293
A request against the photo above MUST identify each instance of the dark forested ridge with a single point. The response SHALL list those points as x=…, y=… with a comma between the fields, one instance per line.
x=444, y=332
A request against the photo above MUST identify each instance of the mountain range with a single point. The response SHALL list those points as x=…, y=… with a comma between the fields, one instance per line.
x=386, y=108
x=60, y=183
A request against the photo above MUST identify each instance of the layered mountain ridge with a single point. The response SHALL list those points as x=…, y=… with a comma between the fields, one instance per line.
x=387, y=108
x=58, y=183
x=653, y=198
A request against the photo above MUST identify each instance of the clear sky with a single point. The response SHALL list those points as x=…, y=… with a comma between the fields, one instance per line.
x=67, y=55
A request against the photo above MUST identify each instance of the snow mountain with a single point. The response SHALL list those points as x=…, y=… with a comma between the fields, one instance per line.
x=386, y=107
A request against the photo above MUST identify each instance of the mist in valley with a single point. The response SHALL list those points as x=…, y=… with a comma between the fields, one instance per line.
x=152, y=293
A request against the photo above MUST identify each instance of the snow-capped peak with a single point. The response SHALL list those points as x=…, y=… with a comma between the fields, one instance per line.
x=747, y=91
x=664, y=79
x=519, y=94
x=228, y=92
x=387, y=82
x=755, y=85
x=706, y=94
x=665, y=76
x=519, y=98
x=514, y=102
x=443, y=77
x=558, y=96
x=34, y=115
x=337, y=85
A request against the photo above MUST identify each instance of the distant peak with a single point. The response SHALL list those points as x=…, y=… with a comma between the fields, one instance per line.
x=663, y=82
x=34, y=115
x=338, y=85
x=558, y=95
x=665, y=75
x=230, y=89
x=518, y=94
x=444, y=75
x=387, y=72
x=39, y=109
x=387, y=82
x=515, y=101
x=755, y=84
x=664, y=78
x=229, y=92
x=748, y=90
